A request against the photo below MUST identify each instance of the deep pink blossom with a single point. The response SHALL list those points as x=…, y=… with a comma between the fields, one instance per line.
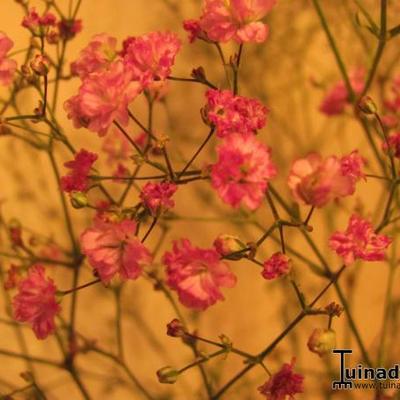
x=150, y=57
x=157, y=197
x=194, y=29
x=34, y=22
x=393, y=144
x=113, y=248
x=352, y=165
x=96, y=56
x=337, y=97
x=234, y=114
x=238, y=20
x=7, y=66
x=102, y=98
x=243, y=170
x=197, y=274
x=316, y=181
x=77, y=179
x=359, y=241
x=36, y=302
x=278, y=265
x=285, y=384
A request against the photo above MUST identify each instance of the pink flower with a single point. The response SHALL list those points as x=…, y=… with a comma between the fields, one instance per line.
x=197, y=274
x=157, y=197
x=237, y=20
x=359, y=241
x=393, y=144
x=234, y=114
x=34, y=22
x=283, y=384
x=352, y=165
x=36, y=302
x=193, y=27
x=13, y=277
x=69, y=28
x=117, y=147
x=77, y=179
x=103, y=98
x=7, y=66
x=150, y=57
x=337, y=98
x=113, y=248
x=393, y=104
x=278, y=265
x=315, y=181
x=96, y=56
x=243, y=170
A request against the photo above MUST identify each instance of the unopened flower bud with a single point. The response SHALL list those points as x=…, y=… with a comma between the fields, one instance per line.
x=228, y=244
x=199, y=74
x=167, y=375
x=175, y=328
x=79, y=200
x=322, y=341
x=40, y=65
x=367, y=105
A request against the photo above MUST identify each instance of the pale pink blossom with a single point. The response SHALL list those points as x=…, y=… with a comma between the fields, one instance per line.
x=316, y=181
x=359, y=241
x=7, y=66
x=96, y=56
x=77, y=178
x=102, y=98
x=285, y=384
x=242, y=171
x=238, y=20
x=157, y=197
x=234, y=114
x=338, y=97
x=35, y=302
x=197, y=274
x=150, y=57
x=278, y=265
x=113, y=248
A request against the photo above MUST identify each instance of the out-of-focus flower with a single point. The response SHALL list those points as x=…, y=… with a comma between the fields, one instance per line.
x=150, y=57
x=315, y=181
x=34, y=22
x=96, y=56
x=103, y=98
x=117, y=147
x=77, y=179
x=393, y=103
x=12, y=278
x=322, y=341
x=393, y=144
x=243, y=170
x=7, y=66
x=40, y=65
x=352, y=165
x=36, y=303
x=197, y=274
x=359, y=241
x=285, y=383
x=157, y=197
x=69, y=28
x=238, y=20
x=337, y=97
x=113, y=248
x=234, y=114
x=277, y=265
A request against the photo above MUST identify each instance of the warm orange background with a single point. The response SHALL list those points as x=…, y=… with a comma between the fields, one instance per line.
x=278, y=72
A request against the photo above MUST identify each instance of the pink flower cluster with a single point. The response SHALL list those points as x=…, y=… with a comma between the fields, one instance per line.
x=338, y=97
x=284, y=384
x=278, y=265
x=232, y=114
x=36, y=302
x=157, y=197
x=111, y=80
x=197, y=274
x=225, y=20
x=359, y=241
x=316, y=181
x=113, y=248
x=7, y=66
x=77, y=179
x=242, y=171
